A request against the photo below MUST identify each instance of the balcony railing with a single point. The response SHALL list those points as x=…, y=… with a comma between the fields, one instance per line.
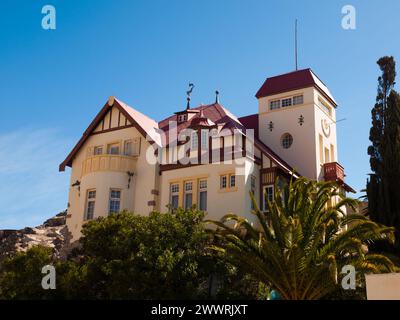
x=333, y=171
x=108, y=162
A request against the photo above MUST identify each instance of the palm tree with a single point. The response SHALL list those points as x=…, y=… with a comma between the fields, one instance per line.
x=300, y=245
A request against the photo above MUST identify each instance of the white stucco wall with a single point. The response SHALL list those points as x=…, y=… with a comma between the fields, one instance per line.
x=304, y=154
x=384, y=286
x=219, y=202
x=133, y=199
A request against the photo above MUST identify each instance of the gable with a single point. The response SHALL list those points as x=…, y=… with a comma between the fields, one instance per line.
x=115, y=115
x=113, y=119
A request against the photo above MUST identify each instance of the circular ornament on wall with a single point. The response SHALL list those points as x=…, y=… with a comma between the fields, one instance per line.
x=286, y=140
x=326, y=128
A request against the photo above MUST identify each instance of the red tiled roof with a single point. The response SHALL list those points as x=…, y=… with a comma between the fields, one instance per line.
x=251, y=122
x=201, y=121
x=278, y=160
x=292, y=81
x=215, y=112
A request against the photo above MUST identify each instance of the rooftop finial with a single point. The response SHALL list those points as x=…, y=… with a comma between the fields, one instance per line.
x=111, y=100
x=216, y=96
x=188, y=93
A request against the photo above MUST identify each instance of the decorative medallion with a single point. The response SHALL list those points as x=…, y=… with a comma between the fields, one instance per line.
x=326, y=128
x=301, y=120
x=270, y=126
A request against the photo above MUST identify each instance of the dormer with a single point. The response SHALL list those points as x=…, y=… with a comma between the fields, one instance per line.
x=202, y=122
x=185, y=115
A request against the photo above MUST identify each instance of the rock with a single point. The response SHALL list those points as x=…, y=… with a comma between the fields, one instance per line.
x=55, y=222
x=28, y=230
x=62, y=214
x=52, y=233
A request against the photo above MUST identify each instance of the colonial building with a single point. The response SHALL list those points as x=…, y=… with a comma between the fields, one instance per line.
x=204, y=156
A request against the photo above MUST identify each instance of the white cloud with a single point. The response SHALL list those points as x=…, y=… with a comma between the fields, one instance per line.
x=31, y=188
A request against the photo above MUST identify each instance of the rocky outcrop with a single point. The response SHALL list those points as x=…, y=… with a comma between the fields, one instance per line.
x=52, y=233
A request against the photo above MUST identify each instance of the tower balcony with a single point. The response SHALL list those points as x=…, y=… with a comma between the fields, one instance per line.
x=108, y=162
x=333, y=171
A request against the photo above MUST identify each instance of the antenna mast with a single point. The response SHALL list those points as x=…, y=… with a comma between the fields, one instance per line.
x=295, y=42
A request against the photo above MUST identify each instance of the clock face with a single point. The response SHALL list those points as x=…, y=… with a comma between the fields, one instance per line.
x=326, y=128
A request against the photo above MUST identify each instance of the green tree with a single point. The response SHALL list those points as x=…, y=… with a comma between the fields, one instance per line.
x=21, y=275
x=384, y=182
x=300, y=246
x=129, y=256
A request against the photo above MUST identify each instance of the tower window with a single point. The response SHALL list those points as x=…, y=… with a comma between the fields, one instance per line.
x=98, y=150
x=113, y=148
x=253, y=190
x=90, y=203
x=286, y=102
x=174, y=195
x=298, y=100
x=128, y=148
x=203, y=195
x=287, y=140
x=324, y=106
x=188, y=195
x=204, y=139
x=115, y=201
x=194, y=141
x=276, y=104
x=268, y=195
x=232, y=182
x=223, y=182
x=182, y=117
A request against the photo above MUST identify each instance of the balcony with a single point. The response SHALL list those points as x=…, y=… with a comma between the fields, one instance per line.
x=108, y=162
x=333, y=171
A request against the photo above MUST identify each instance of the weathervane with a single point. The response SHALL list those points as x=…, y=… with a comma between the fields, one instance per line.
x=188, y=93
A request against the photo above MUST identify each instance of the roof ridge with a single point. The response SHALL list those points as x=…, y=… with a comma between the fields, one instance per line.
x=142, y=114
x=294, y=71
x=318, y=77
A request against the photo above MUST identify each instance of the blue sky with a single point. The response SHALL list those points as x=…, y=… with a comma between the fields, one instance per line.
x=145, y=52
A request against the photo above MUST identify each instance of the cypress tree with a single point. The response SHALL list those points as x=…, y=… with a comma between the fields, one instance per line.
x=383, y=186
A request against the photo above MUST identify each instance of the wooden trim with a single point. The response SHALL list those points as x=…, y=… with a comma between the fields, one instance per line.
x=113, y=129
x=111, y=111
x=189, y=178
x=167, y=167
x=233, y=147
x=119, y=118
x=268, y=172
x=210, y=150
x=244, y=146
x=199, y=145
x=99, y=117
x=222, y=148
